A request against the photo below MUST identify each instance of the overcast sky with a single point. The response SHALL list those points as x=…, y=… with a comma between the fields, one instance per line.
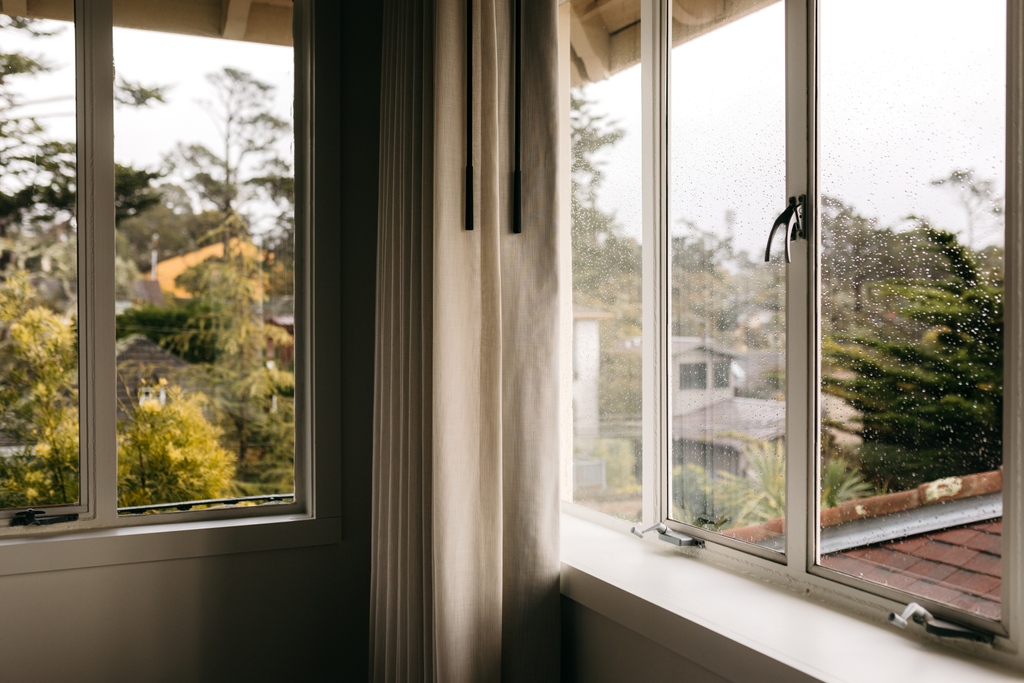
x=909, y=91
x=143, y=135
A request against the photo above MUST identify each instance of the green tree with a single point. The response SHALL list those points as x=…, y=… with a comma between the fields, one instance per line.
x=756, y=496
x=38, y=400
x=168, y=453
x=605, y=263
x=177, y=328
x=932, y=407
x=254, y=398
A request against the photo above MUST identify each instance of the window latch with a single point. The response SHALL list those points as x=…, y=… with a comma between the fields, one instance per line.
x=790, y=219
x=32, y=517
x=937, y=627
x=669, y=536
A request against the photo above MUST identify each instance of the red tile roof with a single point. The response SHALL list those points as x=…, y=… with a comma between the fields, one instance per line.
x=960, y=567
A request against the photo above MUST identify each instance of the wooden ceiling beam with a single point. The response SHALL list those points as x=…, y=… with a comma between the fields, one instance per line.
x=590, y=44
x=235, y=19
x=697, y=12
x=15, y=8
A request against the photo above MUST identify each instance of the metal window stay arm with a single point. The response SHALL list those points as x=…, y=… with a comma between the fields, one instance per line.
x=936, y=627
x=669, y=536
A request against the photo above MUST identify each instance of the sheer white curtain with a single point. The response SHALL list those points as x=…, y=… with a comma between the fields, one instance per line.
x=465, y=519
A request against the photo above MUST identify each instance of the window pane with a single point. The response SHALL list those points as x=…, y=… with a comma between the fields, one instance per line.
x=205, y=255
x=606, y=266
x=912, y=167
x=727, y=304
x=693, y=376
x=39, y=457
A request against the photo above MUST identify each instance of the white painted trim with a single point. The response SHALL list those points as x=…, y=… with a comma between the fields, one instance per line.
x=655, y=39
x=1013, y=358
x=97, y=372
x=564, y=244
x=801, y=391
x=62, y=547
x=308, y=487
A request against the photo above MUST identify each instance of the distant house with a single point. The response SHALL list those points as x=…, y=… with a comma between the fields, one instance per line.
x=168, y=270
x=282, y=354
x=141, y=364
x=586, y=369
x=712, y=427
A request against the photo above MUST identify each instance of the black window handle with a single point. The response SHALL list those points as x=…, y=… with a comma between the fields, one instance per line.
x=790, y=216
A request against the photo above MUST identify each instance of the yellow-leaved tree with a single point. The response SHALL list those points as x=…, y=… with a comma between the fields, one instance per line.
x=168, y=453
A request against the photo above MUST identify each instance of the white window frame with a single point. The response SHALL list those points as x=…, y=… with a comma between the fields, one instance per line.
x=100, y=536
x=797, y=568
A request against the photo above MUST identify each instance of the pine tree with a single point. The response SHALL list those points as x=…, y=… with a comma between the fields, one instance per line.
x=931, y=407
x=252, y=397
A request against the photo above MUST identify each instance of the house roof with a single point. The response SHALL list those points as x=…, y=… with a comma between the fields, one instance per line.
x=168, y=270
x=925, y=551
x=138, y=358
x=746, y=418
x=681, y=344
x=960, y=567
x=148, y=291
x=588, y=313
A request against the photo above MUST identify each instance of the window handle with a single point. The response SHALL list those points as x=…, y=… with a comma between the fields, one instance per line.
x=790, y=216
x=668, y=535
x=32, y=517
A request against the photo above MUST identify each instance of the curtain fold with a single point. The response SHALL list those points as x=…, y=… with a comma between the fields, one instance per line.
x=465, y=510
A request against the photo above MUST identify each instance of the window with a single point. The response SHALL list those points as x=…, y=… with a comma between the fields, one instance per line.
x=149, y=236
x=693, y=376
x=853, y=429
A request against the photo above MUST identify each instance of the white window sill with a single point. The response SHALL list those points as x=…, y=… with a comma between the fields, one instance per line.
x=738, y=627
x=153, y=543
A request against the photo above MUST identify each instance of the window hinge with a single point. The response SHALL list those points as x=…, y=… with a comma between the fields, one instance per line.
x=669, y=536
x=937, y=627
x=32, y=517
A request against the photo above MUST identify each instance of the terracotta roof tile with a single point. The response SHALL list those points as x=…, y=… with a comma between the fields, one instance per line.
x=946, y=554
x=935, y=571
x=960, y=567
x=987, y=543
x=986, y=564
x=888, y=577
x=980, y=606
x=908, y=545
x=849, y=565
x=889, y=558
x=972, y=582
x=962, y=536
x=927, y=589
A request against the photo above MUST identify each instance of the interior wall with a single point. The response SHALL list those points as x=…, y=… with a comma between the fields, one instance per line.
x=297, y=614
x=596, y=649
x=258, y=616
